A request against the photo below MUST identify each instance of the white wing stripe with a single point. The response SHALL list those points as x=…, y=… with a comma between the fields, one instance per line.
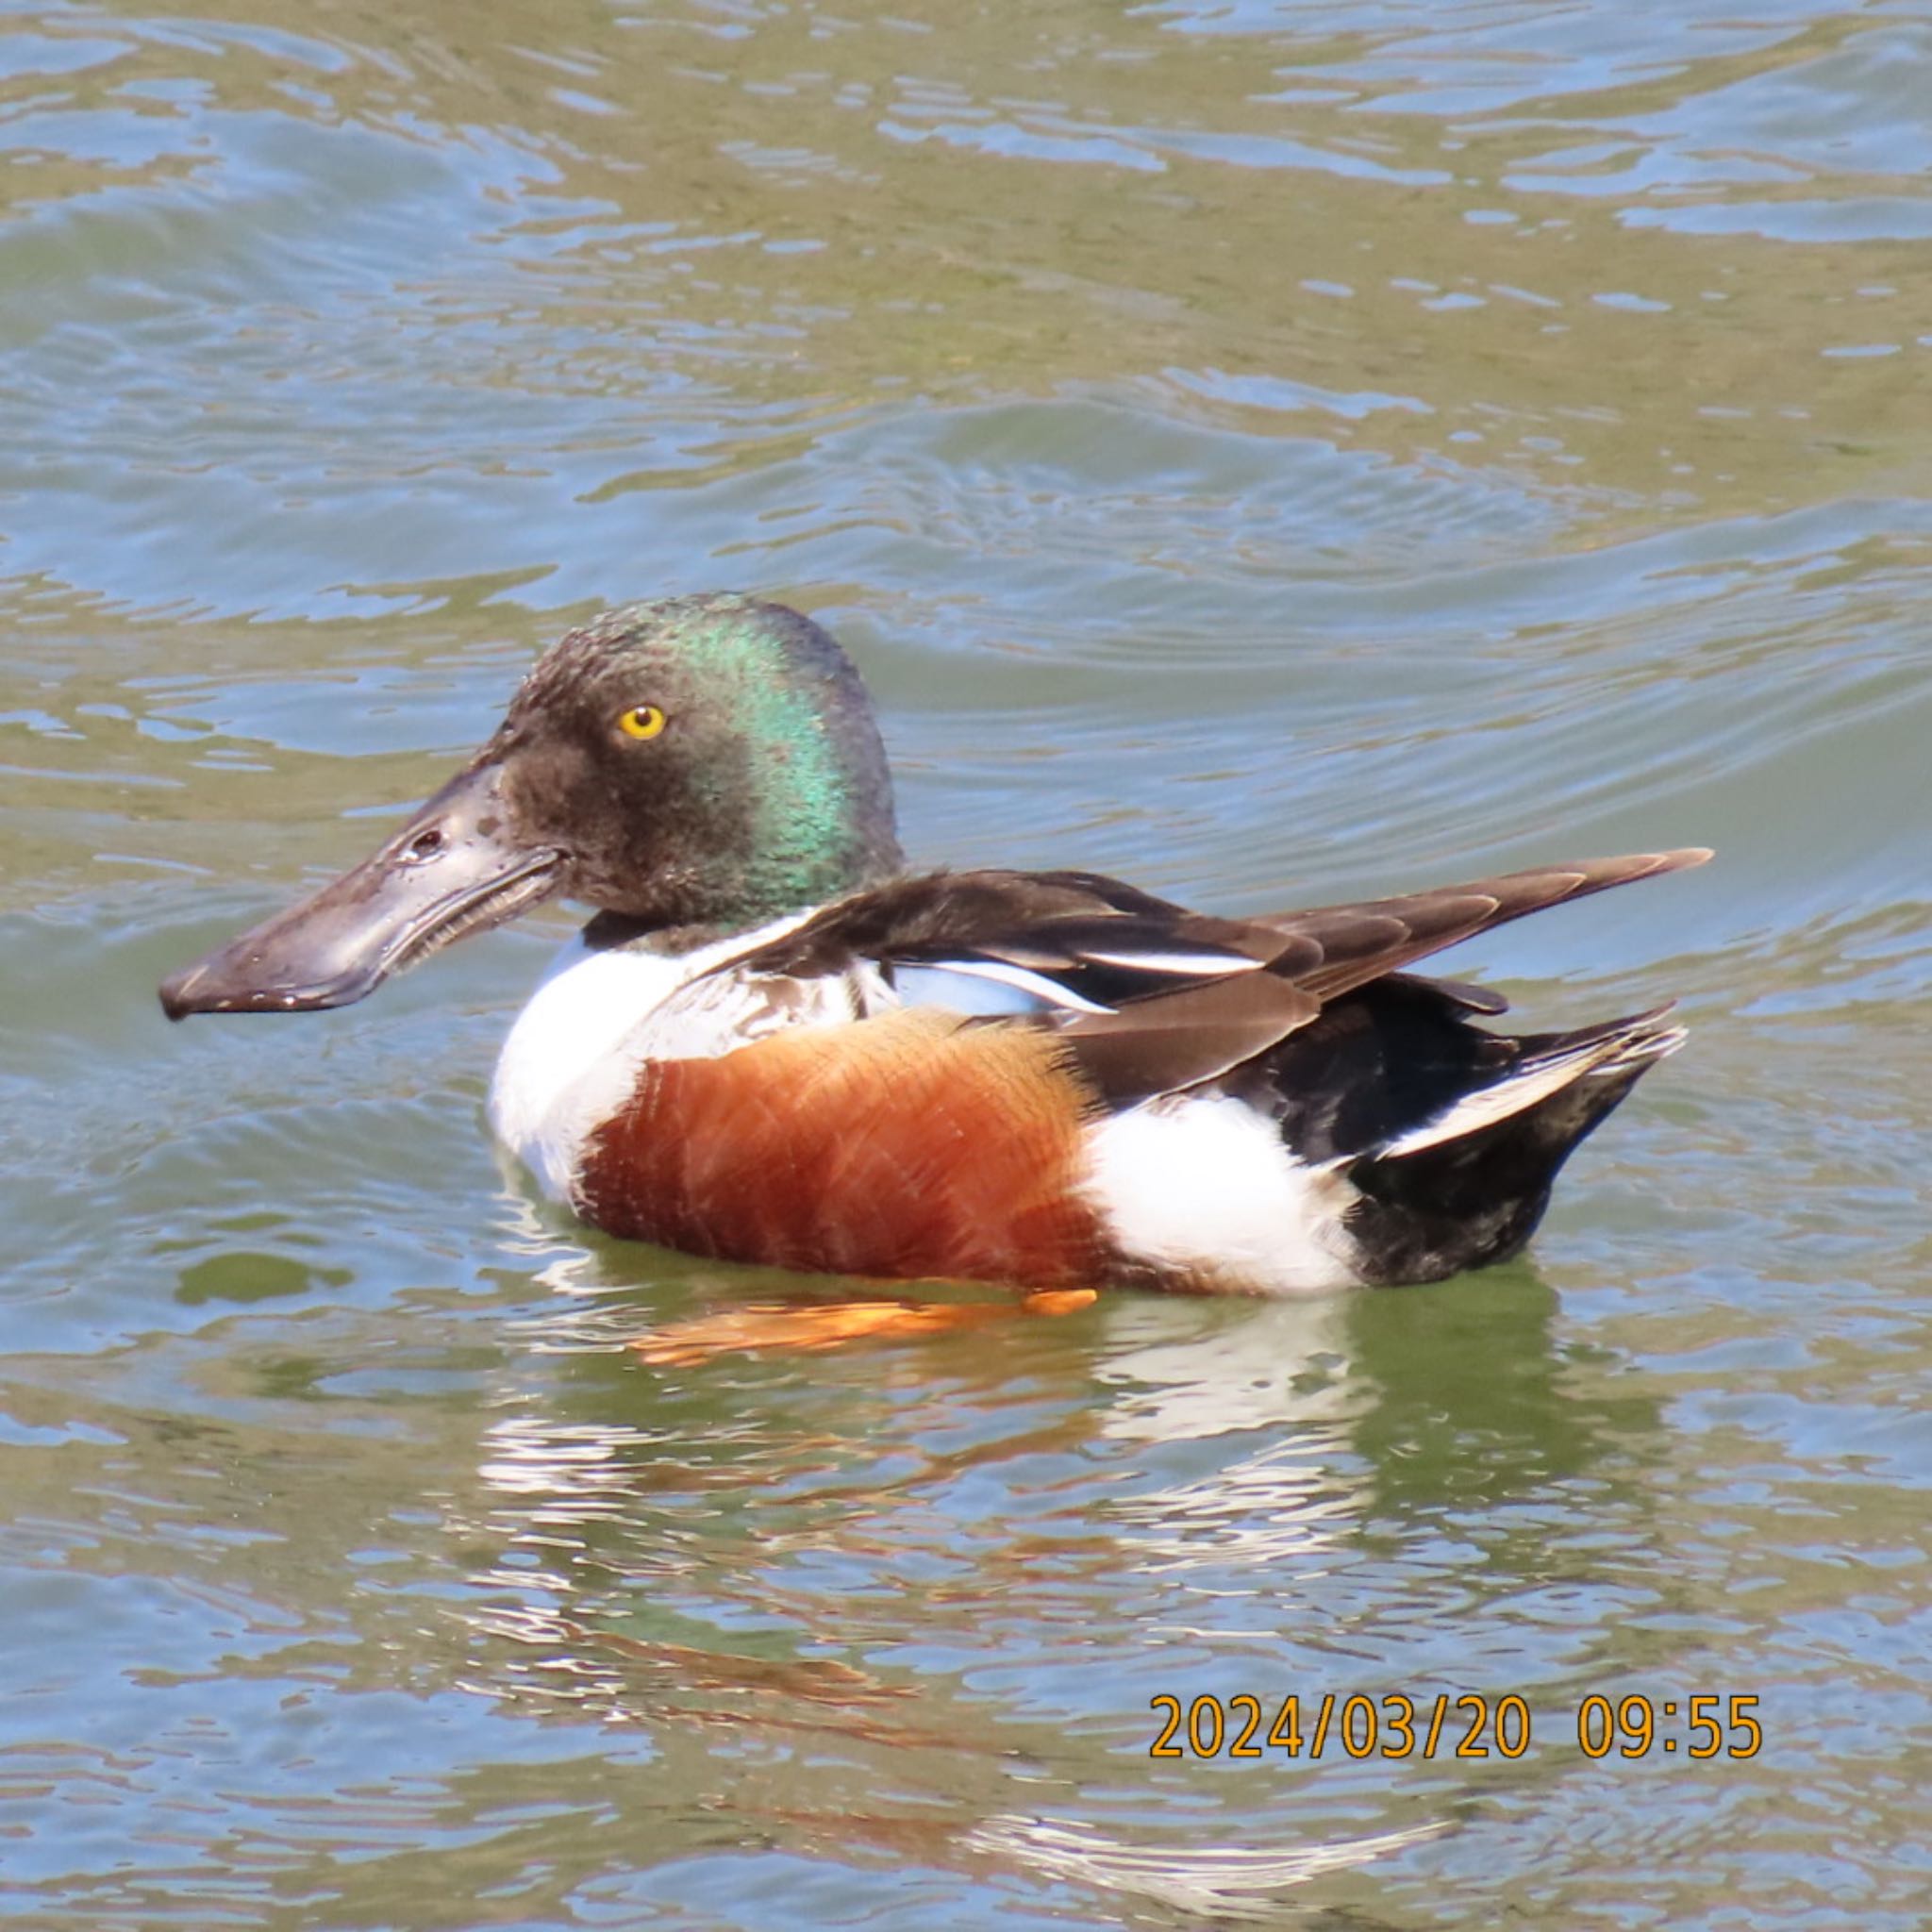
x=1521, y=1091
x=1193, y=965
x=926, y=986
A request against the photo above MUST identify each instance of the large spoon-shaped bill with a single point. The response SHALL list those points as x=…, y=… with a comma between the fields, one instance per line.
x=456, y=868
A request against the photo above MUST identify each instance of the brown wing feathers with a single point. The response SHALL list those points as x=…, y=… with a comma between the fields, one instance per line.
x=1380, y=935
x=1176, y=1040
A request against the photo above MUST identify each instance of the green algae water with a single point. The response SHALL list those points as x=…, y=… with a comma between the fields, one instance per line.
x=1274, y=453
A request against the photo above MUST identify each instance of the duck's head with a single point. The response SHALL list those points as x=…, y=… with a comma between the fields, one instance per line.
x=703, y=763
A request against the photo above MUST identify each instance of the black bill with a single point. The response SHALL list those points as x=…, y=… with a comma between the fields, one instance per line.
x=456, y=868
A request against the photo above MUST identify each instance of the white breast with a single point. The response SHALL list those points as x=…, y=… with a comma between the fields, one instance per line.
x=543, y=1099
x=572, y=1057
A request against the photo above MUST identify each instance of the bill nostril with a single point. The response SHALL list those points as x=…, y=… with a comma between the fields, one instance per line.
x=424, y=844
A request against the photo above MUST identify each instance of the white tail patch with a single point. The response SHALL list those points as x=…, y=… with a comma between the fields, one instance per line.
x=1536, y=1080
x=1202, y=1187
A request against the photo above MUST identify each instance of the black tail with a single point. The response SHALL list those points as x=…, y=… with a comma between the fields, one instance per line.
x=1470, y=1186
x=1451, y=1134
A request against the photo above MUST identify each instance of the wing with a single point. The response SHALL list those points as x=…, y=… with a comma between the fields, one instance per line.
x=1073, y=941
x=1338, y=948
x=1149, y=998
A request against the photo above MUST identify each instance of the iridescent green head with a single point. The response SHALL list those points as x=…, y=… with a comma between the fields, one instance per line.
x=700, y=764
x=708, y=761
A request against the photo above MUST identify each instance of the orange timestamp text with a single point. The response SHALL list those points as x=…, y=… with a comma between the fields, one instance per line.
x=1703, y=1724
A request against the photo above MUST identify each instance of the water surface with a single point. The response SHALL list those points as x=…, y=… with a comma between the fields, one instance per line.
x=1276, y=452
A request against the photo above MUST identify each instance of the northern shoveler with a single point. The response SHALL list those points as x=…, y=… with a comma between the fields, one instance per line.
x=773, y=1044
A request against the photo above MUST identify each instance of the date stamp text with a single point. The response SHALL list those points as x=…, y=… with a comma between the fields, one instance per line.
x=1355, y=1725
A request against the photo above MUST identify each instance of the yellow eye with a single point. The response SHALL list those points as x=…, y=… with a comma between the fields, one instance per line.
x=642, y=721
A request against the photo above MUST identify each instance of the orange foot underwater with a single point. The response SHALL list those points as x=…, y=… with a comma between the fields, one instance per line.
x=805, y=1328
x=773, y=1044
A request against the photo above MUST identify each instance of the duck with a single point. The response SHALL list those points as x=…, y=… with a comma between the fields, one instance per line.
x=776, y=1043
